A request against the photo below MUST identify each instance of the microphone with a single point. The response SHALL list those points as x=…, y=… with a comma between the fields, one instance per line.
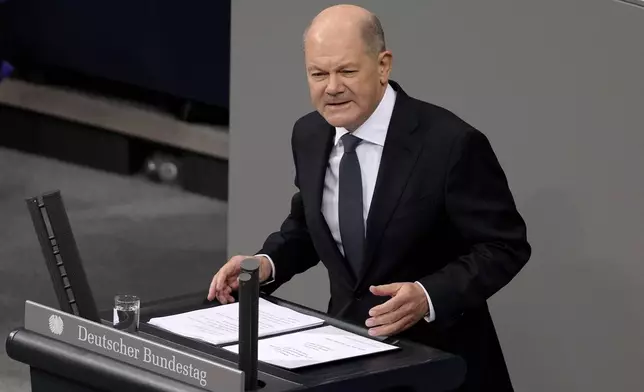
x=248, y=321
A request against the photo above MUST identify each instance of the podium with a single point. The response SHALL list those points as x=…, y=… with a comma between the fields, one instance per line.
x=59, y=366
x=76, y=349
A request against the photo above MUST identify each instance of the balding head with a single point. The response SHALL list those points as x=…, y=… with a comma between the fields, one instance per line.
x=355, y=20
x=347, y=64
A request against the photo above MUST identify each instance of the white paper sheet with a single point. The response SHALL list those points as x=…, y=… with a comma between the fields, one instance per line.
x=219, y=325
x=314, y=346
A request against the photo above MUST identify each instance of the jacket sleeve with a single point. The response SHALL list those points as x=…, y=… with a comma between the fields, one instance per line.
x=290, y=248
x=481, y=208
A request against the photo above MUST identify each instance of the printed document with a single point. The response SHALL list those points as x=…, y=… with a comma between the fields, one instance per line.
x=220, y=324
x=314, y=346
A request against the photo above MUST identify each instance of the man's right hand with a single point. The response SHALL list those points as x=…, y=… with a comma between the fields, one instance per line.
x=226, y=281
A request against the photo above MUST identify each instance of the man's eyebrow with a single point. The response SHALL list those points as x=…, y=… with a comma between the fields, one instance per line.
x=341, y=66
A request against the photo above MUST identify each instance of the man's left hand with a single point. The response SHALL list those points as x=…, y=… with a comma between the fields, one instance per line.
x=408, y=304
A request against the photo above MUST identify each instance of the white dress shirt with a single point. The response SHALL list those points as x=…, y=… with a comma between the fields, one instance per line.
x=373, y=133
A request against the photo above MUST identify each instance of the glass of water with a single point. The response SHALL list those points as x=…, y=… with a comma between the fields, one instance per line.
x=127, y=310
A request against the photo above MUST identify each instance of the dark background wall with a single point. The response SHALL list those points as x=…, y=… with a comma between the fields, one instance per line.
x=161, y=46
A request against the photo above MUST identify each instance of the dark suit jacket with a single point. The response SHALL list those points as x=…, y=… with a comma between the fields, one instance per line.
x=442, y=214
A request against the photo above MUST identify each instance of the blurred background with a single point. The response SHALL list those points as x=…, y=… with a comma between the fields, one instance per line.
x=123, y=106
x=166, y=127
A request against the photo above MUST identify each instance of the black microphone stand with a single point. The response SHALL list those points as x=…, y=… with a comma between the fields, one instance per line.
x=248, y=321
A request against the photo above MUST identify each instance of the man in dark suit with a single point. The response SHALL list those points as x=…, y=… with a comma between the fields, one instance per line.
x=404, y=203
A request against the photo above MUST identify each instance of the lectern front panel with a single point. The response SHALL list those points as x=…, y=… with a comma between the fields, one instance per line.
x=132, y=349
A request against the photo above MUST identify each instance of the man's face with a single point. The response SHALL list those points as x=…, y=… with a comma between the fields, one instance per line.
x=344, y=78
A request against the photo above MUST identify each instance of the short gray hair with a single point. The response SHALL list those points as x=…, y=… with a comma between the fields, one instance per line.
x=373, y=35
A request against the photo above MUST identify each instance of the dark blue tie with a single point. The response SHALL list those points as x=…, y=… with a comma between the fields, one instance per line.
x=350, y=213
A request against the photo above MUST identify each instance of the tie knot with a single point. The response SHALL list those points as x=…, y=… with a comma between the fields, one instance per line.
x=350, y=142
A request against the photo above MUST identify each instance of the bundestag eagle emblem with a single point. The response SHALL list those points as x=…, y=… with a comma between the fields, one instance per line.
x=56, y=324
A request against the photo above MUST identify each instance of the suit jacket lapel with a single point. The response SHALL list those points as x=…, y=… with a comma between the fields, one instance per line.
x=400, y=153
x=312, y=173
x=313, y=165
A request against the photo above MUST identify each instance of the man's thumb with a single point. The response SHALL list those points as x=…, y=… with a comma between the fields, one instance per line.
x=385, y=289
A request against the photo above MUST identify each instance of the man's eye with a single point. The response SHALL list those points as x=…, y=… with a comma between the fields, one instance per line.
x=348, y=71
x=317, y=74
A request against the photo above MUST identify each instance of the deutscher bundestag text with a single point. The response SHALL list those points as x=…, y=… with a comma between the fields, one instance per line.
x=119, y=347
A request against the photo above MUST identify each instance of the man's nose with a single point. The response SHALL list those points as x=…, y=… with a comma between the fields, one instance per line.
x=335, y=85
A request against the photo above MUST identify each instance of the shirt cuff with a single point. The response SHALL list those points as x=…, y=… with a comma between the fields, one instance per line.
x=272, y=279
x=431, y=316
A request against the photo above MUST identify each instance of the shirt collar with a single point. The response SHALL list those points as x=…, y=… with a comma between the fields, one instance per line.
x=374, y=130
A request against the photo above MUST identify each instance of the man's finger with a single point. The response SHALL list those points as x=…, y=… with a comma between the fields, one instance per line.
x=226, y=299
x=385, y=289
x=228, y=271
x=232, y=279
x=392, y=329
x=222, y=276
x=232, y=283
x=389, y=306
x=224, y=296
x=212, y=289
x=388, y=318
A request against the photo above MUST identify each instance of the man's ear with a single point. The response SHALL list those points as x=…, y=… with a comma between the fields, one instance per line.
x=385, y=60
